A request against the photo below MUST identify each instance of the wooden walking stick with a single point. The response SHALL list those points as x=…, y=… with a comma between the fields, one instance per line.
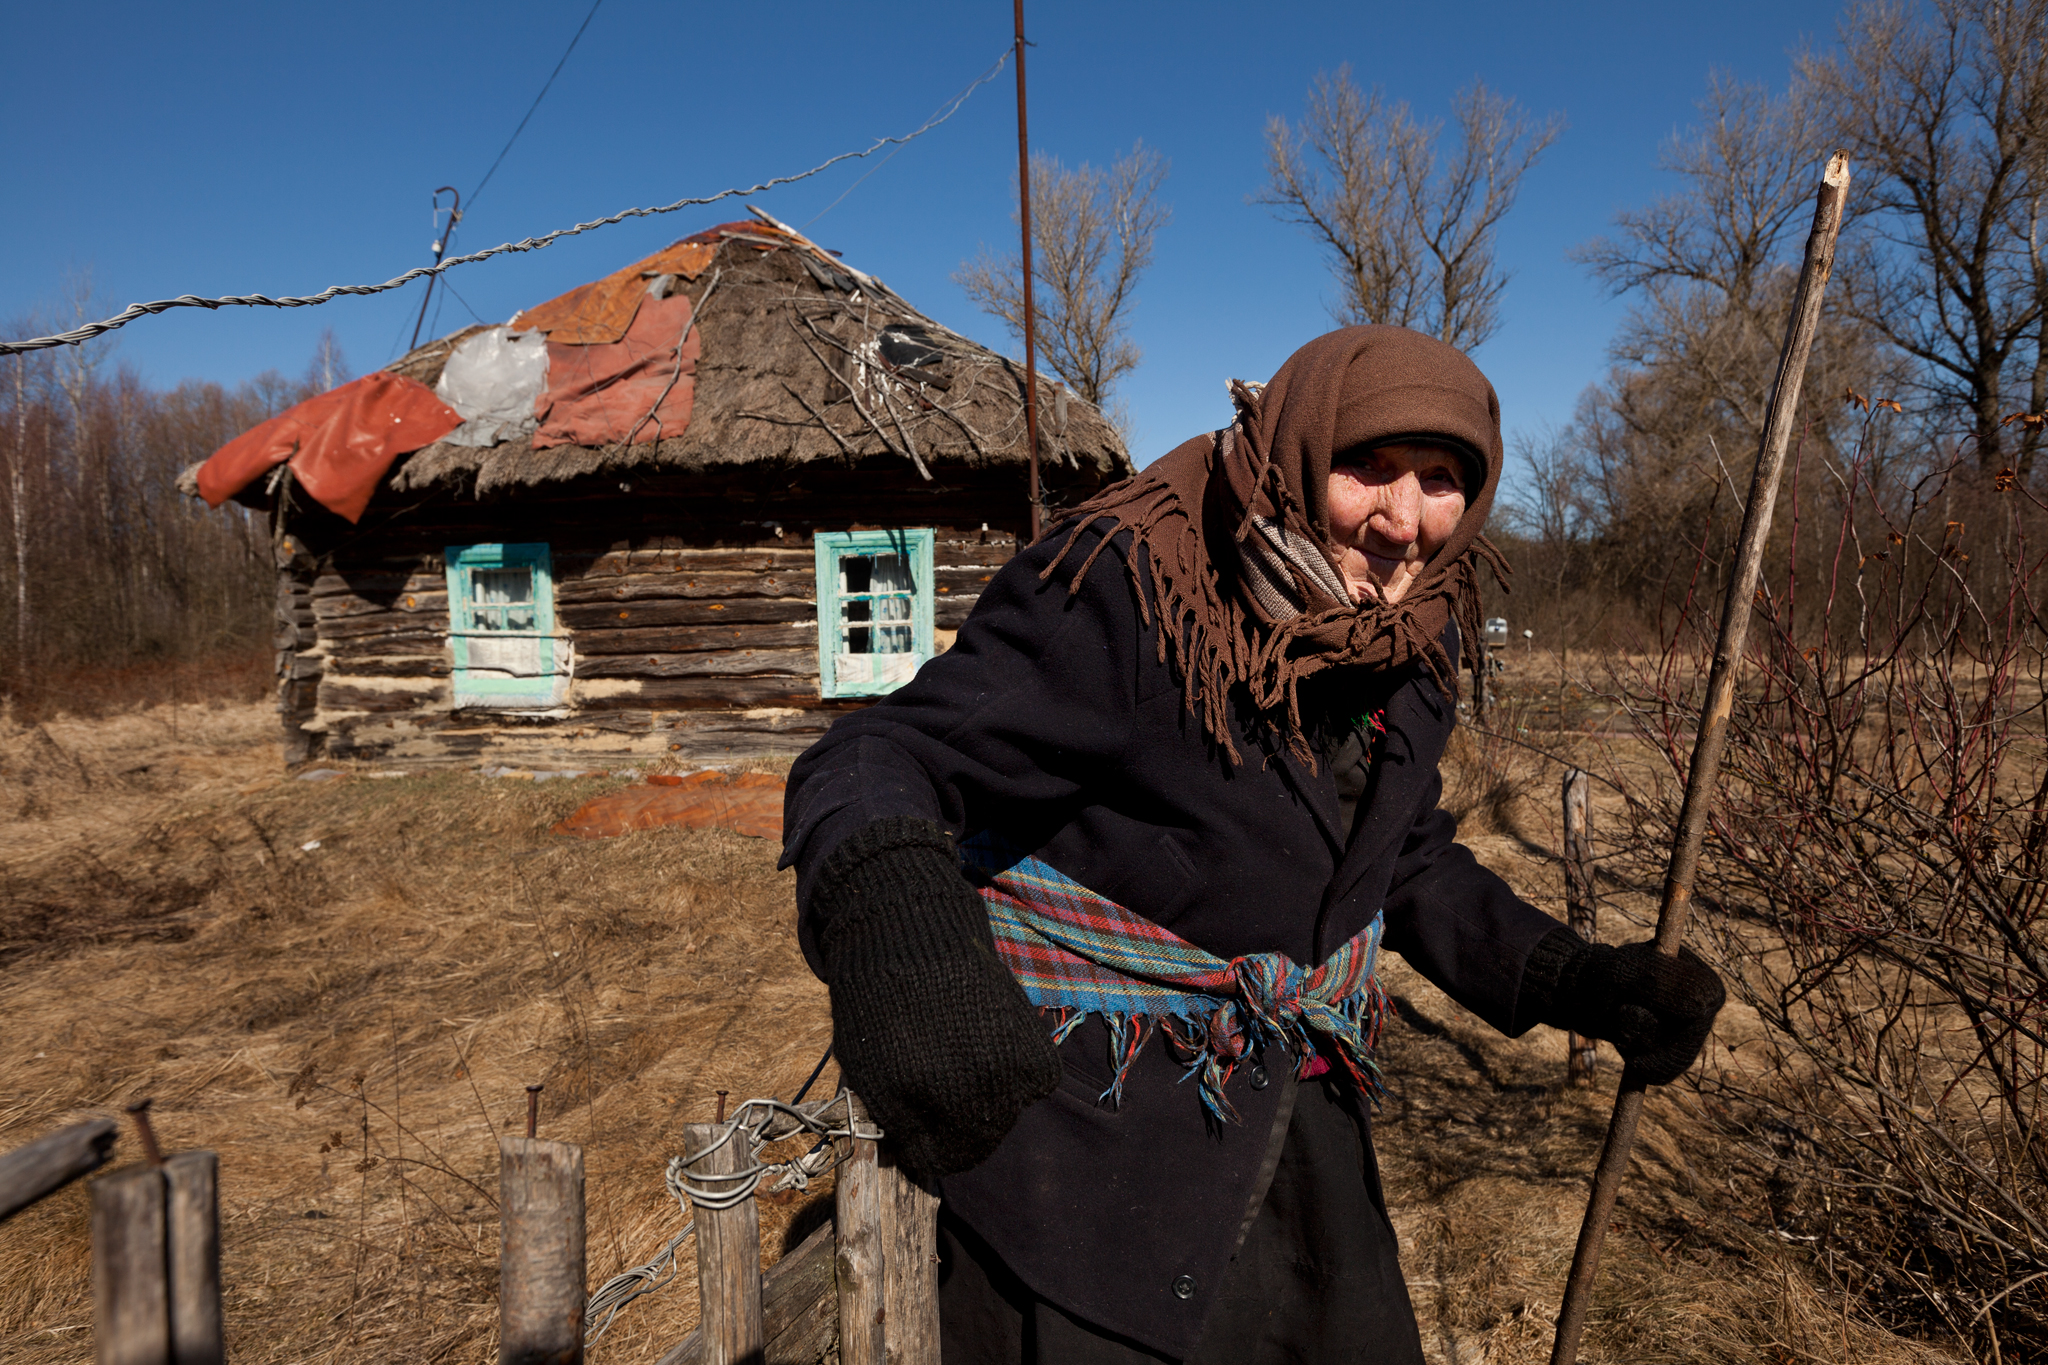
x=1713, y=734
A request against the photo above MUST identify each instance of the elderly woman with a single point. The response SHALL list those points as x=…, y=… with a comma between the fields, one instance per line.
x=1099, y=894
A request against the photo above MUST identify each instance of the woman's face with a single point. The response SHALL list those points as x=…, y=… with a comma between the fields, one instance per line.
x=1391, y=508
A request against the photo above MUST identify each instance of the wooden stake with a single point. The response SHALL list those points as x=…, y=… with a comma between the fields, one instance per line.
x=1578, y=900
x=541, y=1291
x=131, y=1301
x=50, y=1163
x=192, y=1223
x=857, y=1210
x=1713, y=735
x=728, y=1251
x=910, y=1264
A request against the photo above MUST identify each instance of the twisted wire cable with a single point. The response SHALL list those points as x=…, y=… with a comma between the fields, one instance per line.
x=764, y=1121
x=88, y=331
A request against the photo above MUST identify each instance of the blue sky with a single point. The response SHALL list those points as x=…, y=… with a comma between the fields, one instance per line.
x=282, y=147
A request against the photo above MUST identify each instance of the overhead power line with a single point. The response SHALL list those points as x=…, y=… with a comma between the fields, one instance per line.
x=89, y=330
x=536, y=103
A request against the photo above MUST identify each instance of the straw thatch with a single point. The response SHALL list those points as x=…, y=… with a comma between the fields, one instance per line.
x=806, y=360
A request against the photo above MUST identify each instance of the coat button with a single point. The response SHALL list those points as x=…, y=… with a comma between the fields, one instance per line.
x=1260, y=1079
x=1183, y=1286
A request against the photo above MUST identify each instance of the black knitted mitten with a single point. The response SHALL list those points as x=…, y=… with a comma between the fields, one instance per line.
x=1656, y=1010
x=930, y=1028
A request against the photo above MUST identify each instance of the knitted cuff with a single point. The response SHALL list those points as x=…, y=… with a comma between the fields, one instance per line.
x=906, y=869
x=1548, y=978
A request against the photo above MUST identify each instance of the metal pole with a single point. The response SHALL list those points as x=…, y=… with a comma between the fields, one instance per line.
x=440, y=246
x=1706, y=752
x=1030, y=316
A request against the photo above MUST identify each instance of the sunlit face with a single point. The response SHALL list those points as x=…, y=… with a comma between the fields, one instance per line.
x=1391, y=508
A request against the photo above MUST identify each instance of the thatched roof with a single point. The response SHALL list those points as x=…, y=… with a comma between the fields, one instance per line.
x=806, y=359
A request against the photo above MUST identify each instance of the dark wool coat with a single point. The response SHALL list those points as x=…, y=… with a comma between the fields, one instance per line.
x=1053, y=721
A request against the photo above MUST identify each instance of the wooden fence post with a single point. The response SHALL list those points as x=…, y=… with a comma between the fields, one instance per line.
x=131, y=1300
x=192, y=1227
x=50, y=1163
x=1578, y=899
x=541, y=1292
x=728, y=1250
x=910, y=1262
x=857, y=1216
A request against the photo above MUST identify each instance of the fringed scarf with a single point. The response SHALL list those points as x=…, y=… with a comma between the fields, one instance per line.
x=1236, y=528
x=1077, y=954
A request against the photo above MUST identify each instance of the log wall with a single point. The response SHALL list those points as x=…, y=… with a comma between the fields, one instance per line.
x=701, y=644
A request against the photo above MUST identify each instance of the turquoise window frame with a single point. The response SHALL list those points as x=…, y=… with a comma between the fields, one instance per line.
x=914, y=544
x=491, y=688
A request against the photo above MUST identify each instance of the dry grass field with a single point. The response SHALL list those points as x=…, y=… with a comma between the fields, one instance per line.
x=343, y=986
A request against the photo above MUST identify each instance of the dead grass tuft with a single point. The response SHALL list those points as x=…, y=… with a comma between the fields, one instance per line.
x=351, y=1025
x=343, y=987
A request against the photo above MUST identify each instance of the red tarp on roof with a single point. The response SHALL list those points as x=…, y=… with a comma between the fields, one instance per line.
x=635, y=389
x=339, y=444
x=601, y=311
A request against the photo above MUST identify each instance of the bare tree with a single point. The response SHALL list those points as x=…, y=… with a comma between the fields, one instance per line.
x=1409, y=228
x=1092, y=233
x=1951, y=113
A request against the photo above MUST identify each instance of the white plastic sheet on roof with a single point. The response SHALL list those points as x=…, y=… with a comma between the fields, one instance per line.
x=493, y=380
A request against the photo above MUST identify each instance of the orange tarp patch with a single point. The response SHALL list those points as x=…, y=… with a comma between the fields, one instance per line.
x=636, y=389
x=602, y=311
x=747, y=803
x=339, y=443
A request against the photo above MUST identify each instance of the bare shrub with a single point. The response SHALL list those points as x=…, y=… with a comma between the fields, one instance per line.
x=1878, y=869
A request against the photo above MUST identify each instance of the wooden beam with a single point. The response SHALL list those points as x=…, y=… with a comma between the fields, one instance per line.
x=50, y=1163
x=728, y=1251
x=541, y=1292
x=131, y=1300
x=857, y=1195
x=192, y=1226
x=1578, y=899
x=797, y=1309
x=910, y=1267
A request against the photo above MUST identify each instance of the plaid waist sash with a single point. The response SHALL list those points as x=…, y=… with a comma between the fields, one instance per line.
x=1077, y=953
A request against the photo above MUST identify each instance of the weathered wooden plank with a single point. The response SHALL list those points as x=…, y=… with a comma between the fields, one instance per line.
x=1581, y=909
x=910, y=1260
x=970, y=556
x=338, y=694
x=374, y=584
x=704, y=694
x=50, y=1163
x=192, y=1218
x=405, y=604
x=857, y=1193
x=743, y=611
x=686, y=586
x=950, y=613
x=708, y=560
x=540, y=1252
x=685, y=639
x=722, y=664
x=386, y=627
x=969, y=581
x=413, y=642
x=382, y=664
x=728, y=1250
x=131, y=1299
x=797, y=1308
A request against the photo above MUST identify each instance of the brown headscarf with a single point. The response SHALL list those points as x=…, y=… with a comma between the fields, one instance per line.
x=1195, y=508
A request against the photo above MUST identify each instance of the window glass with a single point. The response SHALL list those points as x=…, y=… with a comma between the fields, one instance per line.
x=874, y=609
x=502, y=599
x=876, y=597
